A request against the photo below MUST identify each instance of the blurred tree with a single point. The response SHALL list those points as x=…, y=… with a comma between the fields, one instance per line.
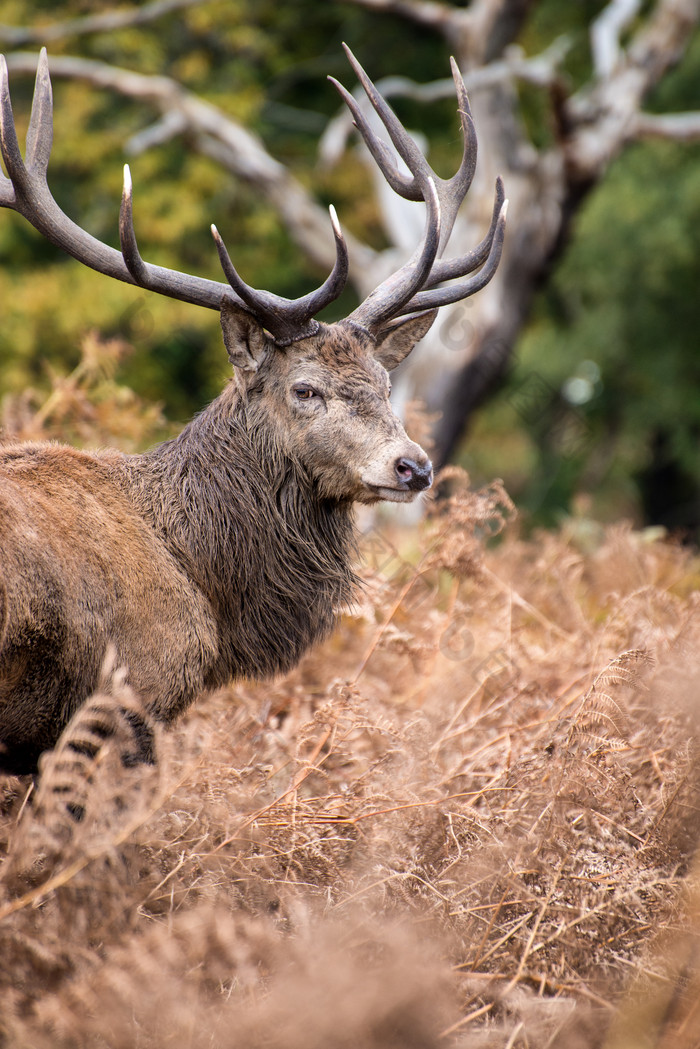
x=557, y=90
x=614, y=336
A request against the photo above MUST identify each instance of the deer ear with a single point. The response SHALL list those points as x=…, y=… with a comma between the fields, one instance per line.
x=244, y=339
x=397, y=340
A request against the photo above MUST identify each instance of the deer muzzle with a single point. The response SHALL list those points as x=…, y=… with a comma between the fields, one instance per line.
x=398, y=478
x=415, y=477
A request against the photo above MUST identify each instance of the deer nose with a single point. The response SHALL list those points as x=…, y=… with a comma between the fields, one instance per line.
x=412, y=476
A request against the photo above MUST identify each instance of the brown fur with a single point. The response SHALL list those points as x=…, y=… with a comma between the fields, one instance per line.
x=225, y=552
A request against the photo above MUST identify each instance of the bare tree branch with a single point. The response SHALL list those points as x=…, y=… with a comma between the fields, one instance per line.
x=605, y=118
x=663, y=38
x=455, y=24
x=170, y=125
x=680, y=127
x=606, y=31
x=219, y=135
x=20, y=36
x=439, y=16
x=477, y=35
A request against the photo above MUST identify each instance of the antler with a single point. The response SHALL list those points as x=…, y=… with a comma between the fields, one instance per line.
x=400, y=293
x=413, y=288
x=291, y=319
x=26, y=191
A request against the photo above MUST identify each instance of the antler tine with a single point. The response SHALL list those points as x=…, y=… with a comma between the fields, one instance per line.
x=458, y=185
x=405, y=146
x=8, y=143
x=289, y=320
x=448, y=269
x=435, y=297
x=451, y=192
x=127, y=236
x=407, y=186
x=40, y=131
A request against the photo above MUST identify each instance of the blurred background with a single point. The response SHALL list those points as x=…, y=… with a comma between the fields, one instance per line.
x=575, y=376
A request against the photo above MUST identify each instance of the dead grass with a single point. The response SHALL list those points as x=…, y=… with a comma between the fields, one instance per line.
x=469, y=819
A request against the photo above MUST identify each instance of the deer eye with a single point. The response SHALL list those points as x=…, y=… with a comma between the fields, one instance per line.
x=303, y=392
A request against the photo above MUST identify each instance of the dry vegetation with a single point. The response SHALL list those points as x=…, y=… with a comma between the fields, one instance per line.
x=469, y=819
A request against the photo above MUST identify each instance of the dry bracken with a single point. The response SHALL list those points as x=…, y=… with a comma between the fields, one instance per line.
x=465, y=820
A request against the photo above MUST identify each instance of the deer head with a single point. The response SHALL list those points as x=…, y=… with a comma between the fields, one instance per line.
x=322, y=389
x=326, y=397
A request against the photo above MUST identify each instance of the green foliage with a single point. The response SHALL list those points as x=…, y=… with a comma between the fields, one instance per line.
x=621, y=314
x=622, y=303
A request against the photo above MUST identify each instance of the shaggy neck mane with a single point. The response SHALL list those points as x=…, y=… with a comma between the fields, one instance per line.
x=244, y=521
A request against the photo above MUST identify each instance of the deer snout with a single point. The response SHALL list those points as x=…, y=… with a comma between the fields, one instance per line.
x=412, y=475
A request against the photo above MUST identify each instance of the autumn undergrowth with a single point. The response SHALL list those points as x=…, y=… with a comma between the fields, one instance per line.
x=469, y=819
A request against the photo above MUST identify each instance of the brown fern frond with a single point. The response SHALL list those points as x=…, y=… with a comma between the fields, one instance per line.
x=626, y=669
x=601, y=709
x=88, y=782
x=113, y=720
x=88, y=405
x=464, y=520
x=602, y=716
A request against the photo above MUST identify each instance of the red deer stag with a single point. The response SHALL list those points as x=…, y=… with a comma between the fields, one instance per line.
x=227, y=551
